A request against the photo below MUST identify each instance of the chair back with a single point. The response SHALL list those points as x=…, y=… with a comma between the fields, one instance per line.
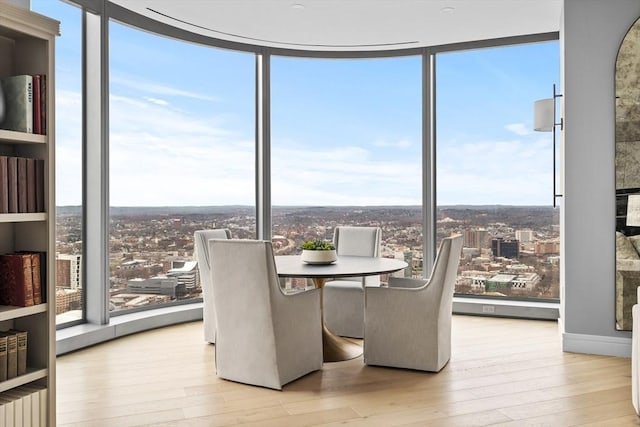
x=201, y=255
x=245, y=282
x=445, y=271
x=201, y=249
x=359, y=241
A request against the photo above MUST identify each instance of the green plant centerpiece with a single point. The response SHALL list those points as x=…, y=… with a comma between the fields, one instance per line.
x=318, y=252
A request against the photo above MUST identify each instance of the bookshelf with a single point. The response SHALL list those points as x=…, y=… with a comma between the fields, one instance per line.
x=27, y=42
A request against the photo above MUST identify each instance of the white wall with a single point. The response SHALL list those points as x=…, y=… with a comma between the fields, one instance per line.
x=590, y=35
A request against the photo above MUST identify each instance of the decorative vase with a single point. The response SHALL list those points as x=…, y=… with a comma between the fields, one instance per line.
x=319, y=256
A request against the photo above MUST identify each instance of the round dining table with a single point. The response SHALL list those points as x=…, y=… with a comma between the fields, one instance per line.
x=336, y=348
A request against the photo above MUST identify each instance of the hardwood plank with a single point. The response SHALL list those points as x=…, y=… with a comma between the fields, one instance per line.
x=507, y=372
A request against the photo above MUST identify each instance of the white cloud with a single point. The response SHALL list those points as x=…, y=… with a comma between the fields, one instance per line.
x=519, y=129
x=156, y=101
x=155, y=88
x=400, y=143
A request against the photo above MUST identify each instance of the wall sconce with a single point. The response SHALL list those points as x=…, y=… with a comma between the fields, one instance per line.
x=544, y=120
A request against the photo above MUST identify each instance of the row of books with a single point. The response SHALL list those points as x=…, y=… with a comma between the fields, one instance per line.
x=21, y=276
x=24, y=406
x=21, y=185
x=25, y=103
x=13, y=354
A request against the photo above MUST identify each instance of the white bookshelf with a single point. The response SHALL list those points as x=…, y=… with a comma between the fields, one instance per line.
x=27, y=42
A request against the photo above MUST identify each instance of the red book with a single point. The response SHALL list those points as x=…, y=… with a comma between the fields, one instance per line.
x=12, y=183
x=16, y=281
x=36, y=274
x=4, y=185
x=23, y=190
x=37, y=106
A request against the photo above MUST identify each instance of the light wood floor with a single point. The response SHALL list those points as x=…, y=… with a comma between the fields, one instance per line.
x=502, y=372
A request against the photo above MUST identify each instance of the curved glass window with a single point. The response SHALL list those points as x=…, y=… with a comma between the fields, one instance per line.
x=181, y=159
x=494, y=173
x=347, y=150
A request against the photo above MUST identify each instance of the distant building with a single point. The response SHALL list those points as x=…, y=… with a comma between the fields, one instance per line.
x=160, y=285
x=475, y=238
x=524, y=236
x=505, y=248
x=68, y=299
x=69, y=271
x=547, y=247
x=187, y=274
x=499, y=282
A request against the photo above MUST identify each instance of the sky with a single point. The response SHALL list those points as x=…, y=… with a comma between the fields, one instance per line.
x=344, y=132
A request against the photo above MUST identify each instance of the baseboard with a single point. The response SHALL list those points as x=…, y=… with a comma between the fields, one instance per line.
x=495, y=307
x=596, y=344
x=86, y=334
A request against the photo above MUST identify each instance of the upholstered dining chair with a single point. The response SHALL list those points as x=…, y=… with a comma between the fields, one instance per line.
x=635, y=355
x=201, y=255
x=264, y=337
x=344, y=298
x=408, y=323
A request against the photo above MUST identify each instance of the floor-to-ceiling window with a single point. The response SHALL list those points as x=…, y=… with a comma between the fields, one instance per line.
x=346, y=149
x=68, y=139
x=181, y=156
x=494, y=173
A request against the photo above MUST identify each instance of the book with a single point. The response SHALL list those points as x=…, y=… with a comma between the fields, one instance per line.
x=3, y=358
x=38, y=404
x=37, y=116
x=40, y=185
x=12, y=183
x=21, y=349
x=9, y=410
x=43, y=103
x=31, y=185
x=18, y=97
x=37, y=273
x=16, y=281
x=4, y=185
x=23, y=190
x=24, y=397
x=12, y=354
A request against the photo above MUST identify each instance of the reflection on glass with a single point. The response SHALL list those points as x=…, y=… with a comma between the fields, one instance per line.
x=494, y=174
x=181, y=159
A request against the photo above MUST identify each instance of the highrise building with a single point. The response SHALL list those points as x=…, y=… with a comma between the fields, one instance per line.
x=524, y=236
x=501, y=247
x=69, y=271
x=475, y=238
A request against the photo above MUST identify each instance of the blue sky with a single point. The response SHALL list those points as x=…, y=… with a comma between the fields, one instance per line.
x=344, y=132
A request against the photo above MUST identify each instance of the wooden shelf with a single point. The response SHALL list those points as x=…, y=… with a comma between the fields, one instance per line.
x=21, y=137
x=8, y=312
x=30, y=376
x=23, y=217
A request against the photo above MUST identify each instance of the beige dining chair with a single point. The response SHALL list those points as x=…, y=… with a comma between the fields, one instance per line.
x=408, y=323
x=201, y=255
x=264, y=337
x=344, y=298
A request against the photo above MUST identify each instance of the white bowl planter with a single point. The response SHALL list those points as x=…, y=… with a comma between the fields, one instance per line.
x=319, y=256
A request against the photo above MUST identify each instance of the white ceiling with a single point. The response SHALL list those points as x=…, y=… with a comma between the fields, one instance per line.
x=348, y=25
